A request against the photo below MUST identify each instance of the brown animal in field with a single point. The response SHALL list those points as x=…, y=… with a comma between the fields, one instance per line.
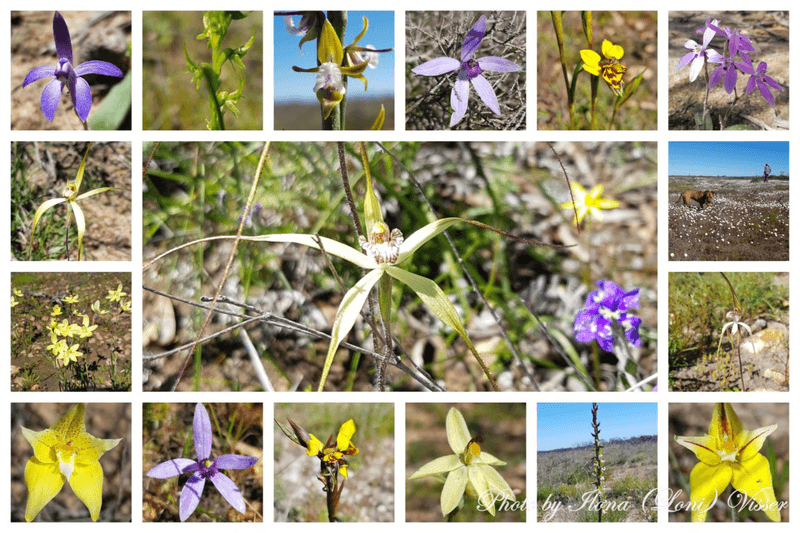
x=701, y=197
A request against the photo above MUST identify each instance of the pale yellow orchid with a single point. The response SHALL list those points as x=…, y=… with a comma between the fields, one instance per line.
x=14, y=301
x=71, y=299
x=96, y=308
x=71, y=197
x=116, y=295
x=729, y=456
x=65, y=452
x=469, y=470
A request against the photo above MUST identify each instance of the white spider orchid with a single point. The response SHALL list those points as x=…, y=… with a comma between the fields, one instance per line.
x=384, y=255
x=735, y=323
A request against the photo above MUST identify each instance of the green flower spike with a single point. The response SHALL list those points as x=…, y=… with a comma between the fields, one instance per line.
x=469, y=470
x=71, y=197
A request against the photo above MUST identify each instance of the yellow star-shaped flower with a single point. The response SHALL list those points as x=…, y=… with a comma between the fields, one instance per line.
x=65, y=452
x=591, y=202
x=729, y=455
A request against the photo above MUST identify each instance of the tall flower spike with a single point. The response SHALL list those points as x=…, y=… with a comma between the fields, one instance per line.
x=65, y=453
x=65, y=74
x=729, y=455
x=469, y=70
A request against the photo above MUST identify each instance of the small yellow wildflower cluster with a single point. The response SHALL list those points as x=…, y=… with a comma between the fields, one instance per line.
x=116, y=296
x=61, y=331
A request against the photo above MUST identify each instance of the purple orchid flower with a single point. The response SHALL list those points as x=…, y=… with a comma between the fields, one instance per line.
x=764, y=82
x=699, y=53
x=469, y=69
x=730, y=69
x=65, y=74
x=595, y=320
x=204, y=468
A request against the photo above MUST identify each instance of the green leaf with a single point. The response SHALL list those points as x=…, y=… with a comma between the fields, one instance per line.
x=630, y=90
x=114, y=108
x=346, y=316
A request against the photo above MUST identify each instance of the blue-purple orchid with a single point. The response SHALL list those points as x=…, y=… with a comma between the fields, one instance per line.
x=760, y=79
x=469, y=69
x=204, y=468
x=603, y=307
x=65, y=74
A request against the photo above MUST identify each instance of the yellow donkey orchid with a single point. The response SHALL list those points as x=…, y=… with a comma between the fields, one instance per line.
x=729, y=455
x=65, y=452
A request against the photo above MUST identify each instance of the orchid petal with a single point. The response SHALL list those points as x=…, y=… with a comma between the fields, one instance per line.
x=706, y=484
x=51, y=96
x=730, y=79
x=457, y=431
x=349, y=310
x=498, y=64
x=172, y=468
x=423, y=235
x=235, y=462
x=440, y=465
x=453, y=490
x=102, y=68
x=481, y=486
x=332, y=247
x=684, y=61
x=762, y=87
x=459, y=99
x=755, y=480
x=44, y=481
x=486, y=93
x=94, y=192
x=61, y=37
x=45, y=71
x=42, y=209
x=81, y=96
x=201, y=431
x=473, y=39
x=190, y=496
x=436, y=67
x=87, y=484
x=697, y=66
x=80, y=222
x=229, y=491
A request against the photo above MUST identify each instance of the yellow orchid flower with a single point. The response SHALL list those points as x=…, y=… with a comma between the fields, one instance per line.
x=116, y=296
x=71, y=197
x=56, y=310
x=591, y=202
x=71, y=299
x=469, y=469
x=729, y=455
x=609, y=68
x=86, y=330
x=70, y=355
x=17, y=293
x=96, y=308
x=65, y=452
x=14, y=301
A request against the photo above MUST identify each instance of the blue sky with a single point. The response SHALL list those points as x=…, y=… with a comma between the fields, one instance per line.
x=563, y=425
x=727, y=158
x=293, y=86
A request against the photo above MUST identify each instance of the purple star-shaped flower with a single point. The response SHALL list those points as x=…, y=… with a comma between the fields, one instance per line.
x=595, y=320
x=469, y=69
x=65, y=74
x=204, y=468
x=699, y=53
x=728, y=68
x=764, y=82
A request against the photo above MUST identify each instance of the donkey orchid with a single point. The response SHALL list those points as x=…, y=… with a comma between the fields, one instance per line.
x=71, y=197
